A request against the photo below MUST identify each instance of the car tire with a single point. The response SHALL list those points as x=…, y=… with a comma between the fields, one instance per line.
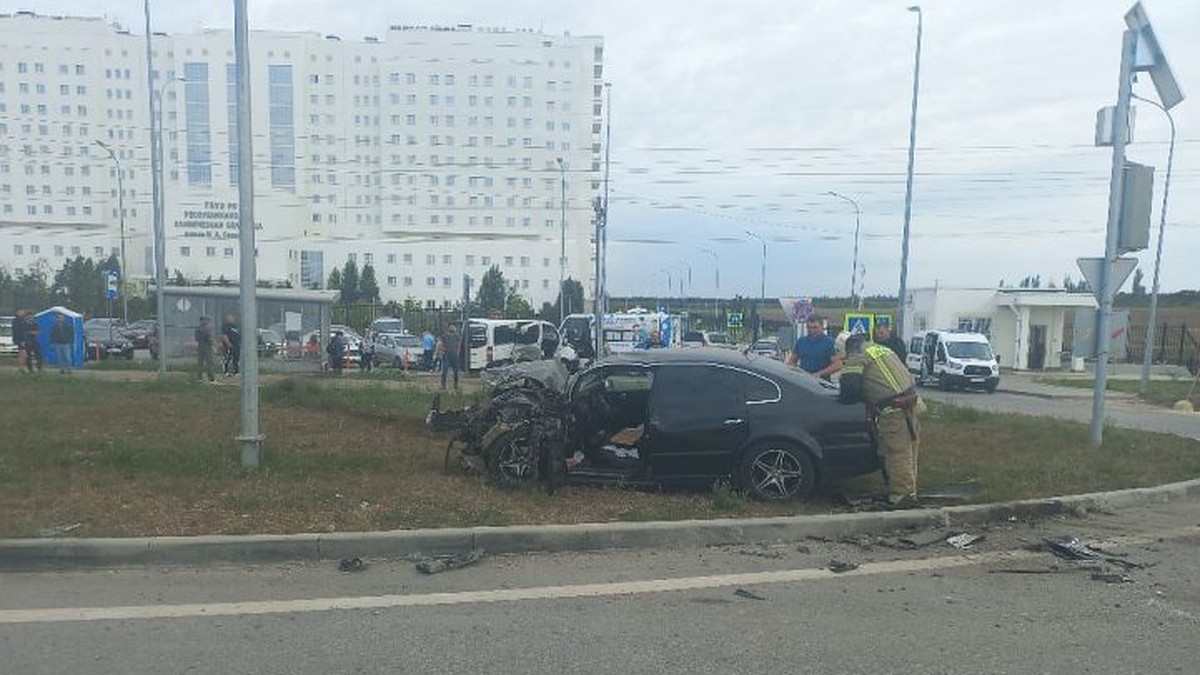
x=511, y=462
x=777, y=472
x=944, y=383
x=398, y=363
x=990, y=387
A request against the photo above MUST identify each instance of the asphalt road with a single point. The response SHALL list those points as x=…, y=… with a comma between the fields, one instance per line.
x=998, y=608
x=1023, y=397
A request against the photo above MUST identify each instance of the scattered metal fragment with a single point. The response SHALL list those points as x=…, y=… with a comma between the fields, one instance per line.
x=1111, y=577
x=442, y=563
x=963, y=541
x=921, y=539
x=58, y=530
x=351, y=565
x=1070, y=548
x=760, y=552
x=803, y=549
x=750, y=595
x=839, y=566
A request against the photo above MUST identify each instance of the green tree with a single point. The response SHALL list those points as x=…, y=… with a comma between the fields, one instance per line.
x=81, y=285
x=350, y=290
x=368, y=287
x=573, y=290
x=517, y=306
x=493, y=292
x=335, y=280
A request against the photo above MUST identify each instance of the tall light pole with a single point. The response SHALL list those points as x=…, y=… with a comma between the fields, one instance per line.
x=562, y=226
x=156, y=180
x=1144, y=383
x=912, y=147
x=604, y=233
x=857, y=223
x=763, y=284
x=121, y=208
x=717, y=283
x=250, y=438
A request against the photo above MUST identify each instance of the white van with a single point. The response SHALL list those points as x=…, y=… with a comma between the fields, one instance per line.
x=493, y=342
x=953, y=360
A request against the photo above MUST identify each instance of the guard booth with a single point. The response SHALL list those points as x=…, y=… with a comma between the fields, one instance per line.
x=292, y=326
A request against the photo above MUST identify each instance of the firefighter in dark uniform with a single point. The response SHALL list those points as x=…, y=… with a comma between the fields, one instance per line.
x=874, y=375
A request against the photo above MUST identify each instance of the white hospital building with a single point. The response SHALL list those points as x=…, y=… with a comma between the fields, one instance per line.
x=429, y=152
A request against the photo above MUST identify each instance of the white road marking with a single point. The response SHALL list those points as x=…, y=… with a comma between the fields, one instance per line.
x=55, y=615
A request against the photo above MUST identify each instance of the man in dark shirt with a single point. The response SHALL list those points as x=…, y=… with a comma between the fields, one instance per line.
x=62, y=341
x=231, y=341
x=883, y=336
x=452, y=345
x=204, y=350
x=25, y=336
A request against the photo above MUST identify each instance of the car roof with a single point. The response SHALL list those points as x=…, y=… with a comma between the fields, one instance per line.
x=734, y=358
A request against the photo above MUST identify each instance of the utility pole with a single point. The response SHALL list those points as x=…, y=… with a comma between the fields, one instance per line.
x=763, y=285
x=121, y=208
x=156, y=181
x=908, y=184
x=1152, y=322
x=250, y=438
x=1140, y=52
x=562, y=256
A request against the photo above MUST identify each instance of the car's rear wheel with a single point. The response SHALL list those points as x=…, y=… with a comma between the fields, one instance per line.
x=776, y=472
x=397, y=363
x=512, y=459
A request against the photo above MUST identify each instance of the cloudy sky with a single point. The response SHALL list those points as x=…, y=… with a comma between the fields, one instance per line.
x=738, y=118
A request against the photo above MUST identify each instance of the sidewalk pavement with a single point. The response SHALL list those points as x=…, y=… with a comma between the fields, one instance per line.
x=32, y=554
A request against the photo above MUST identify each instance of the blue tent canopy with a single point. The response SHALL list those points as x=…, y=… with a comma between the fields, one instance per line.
x=45, y=321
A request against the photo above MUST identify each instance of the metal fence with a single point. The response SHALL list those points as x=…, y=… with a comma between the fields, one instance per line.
x=1174, y=345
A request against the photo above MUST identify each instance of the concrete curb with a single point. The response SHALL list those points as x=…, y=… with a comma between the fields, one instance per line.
x=34, y=554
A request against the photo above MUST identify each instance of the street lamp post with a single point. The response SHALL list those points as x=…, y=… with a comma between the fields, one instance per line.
x=912, y=145
x=1144, y=383
x=717, y=284
x=762, y=294
x=854, y=268
x=562, y=256
x=121, y=208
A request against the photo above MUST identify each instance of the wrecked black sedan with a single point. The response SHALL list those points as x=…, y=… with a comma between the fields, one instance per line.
x=659, y=417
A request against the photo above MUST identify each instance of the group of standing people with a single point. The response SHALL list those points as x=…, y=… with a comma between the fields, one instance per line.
x=230, y=340
x=26, y=334
x=873, y=372
x=444, y=353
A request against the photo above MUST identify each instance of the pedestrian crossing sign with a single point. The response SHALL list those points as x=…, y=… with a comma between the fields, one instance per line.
x=858, y=324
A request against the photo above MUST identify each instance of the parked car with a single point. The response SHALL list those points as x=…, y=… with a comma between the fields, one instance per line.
x=689, y=416
x=270, y=343
x=7, y=346
x=707, y=338
x=768, y=347
x=398, y=351
x=387, y=325
x=139, y=332
x=353, y=343
x=104, y=337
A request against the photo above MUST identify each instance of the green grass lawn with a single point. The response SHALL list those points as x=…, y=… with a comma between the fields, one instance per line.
x=132, y=458
x=1159, y=392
